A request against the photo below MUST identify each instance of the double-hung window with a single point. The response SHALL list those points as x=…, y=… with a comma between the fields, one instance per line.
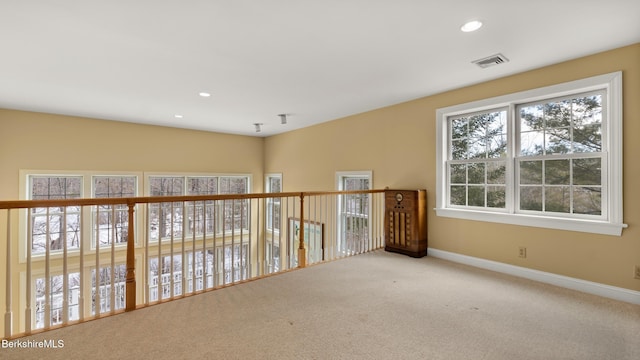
x=354, y=212
x=549, y=157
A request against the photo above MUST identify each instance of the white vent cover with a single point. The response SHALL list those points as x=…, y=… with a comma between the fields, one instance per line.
x=491, y=60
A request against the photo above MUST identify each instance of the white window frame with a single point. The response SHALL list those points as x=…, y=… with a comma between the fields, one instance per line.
x=274, y=242
x=269, y=202
x=609, y=224
x=340, y=177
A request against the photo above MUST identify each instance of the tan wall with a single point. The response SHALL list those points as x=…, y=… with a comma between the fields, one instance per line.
x=398, y=144
x=39, y=141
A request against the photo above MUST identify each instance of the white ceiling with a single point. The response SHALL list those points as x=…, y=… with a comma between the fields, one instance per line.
x=144, y=61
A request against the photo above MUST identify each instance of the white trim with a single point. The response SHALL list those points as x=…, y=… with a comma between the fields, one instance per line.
x=613, y=161
x=185, y=175
x=615, y=154
x=364, y=173
x=268, y=201
x=589, y=287
x=580, y=225
x=268, y=176
x=340, y=176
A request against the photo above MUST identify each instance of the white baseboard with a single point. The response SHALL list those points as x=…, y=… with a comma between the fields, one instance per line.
x=589, y=287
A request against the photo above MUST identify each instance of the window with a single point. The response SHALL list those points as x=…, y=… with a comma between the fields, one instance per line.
x=560, y=155
x=52, y=225
x=477, y=159
x=52, y=228
x=549, y=157
x=56, y=290
x=273, y=221
x=50, y=231
x=165, y=219
x=170, y=218
x=111, y=222
x=273, y=185
x=224, y=265
x=103, y=292
x=236, y=212
x=353, y=210
x=160, y=277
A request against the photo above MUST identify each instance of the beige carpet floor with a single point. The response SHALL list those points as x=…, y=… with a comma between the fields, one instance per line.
x=373, y=306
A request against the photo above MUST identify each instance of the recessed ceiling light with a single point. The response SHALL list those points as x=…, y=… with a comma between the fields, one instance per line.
x=471, y=26
x=204, y=94
x=178, y=116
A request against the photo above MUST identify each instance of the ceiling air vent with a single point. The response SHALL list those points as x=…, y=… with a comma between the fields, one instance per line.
x=491, y=60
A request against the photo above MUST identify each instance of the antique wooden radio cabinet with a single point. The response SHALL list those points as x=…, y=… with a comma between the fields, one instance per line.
x=406, y=222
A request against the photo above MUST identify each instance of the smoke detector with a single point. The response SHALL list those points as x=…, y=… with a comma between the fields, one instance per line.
x=491, y=61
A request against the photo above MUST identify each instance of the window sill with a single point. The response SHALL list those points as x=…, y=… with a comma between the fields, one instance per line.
x=581, y=225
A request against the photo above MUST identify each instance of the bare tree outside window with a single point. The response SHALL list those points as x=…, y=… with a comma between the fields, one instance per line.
x=52, y=227
x=236, y=212
x=111, y=222
x=274, y=185
x=56, y=299
x=165, y=219
x=202, y=217
x=273, y=221
x=106, y=285
x=354, y=214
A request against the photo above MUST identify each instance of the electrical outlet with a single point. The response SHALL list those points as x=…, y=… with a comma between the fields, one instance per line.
x=522, y=252
x=636, y=272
